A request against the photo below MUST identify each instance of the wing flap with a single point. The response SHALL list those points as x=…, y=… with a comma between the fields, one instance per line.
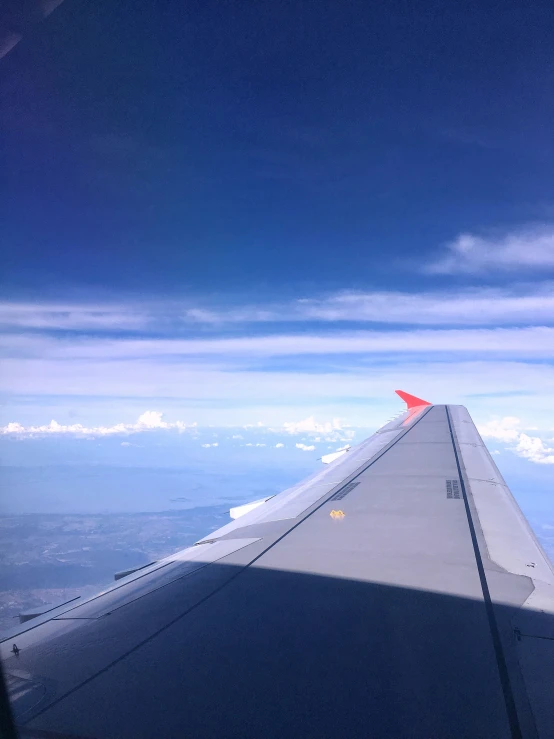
x=509, y=539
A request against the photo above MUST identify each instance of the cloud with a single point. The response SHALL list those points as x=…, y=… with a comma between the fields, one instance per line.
x=531, y=248
x=246, y=314
x=524, y=303
x=508, y=430
x=534, y=449
x=305, y=448
x=201, y=315
x=73, y=316
x=311, y=426
x=505, y=429
x=471, y=306
x=219, y=394
x=279, y=446
x=311, y=367
x=536, y=341
x=148, y=421
x=206, y=446
x=518, y=303
x=153, y=420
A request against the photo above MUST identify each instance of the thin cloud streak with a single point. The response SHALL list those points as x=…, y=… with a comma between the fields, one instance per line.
x=516, y=305
x=536, y=341
x=213, y=394
x=72, y=316
x=469, y=307
x=531, y=248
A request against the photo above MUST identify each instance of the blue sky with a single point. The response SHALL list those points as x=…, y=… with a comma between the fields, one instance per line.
x=270, y=147
x=260, y=214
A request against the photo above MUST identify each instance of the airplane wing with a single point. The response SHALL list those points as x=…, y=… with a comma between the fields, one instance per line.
x=398, y=592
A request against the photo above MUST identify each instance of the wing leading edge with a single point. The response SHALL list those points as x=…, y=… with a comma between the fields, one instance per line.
x=424, y=609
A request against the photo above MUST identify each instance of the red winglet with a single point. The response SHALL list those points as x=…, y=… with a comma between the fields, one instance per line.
x=411, y=400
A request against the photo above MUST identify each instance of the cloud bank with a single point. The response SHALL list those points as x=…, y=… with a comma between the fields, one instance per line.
x=227, y=361
x=148, y=421
x=470, y=306
x=508, y=430
x=311, y=426
x=153, y=421
x=526, y=249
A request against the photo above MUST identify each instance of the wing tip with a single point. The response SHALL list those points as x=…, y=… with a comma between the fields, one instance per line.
x=411, y=400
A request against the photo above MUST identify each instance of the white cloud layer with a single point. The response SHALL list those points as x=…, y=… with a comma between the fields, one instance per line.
x=527, y=249
x=532, y=341
x=153, y=420
x=311, y=426
x=470, y=306
x=320, y=356
x=219, y=394
x=508, y=430
x=518, y=303
x=534, y=449
x=148, y=421
x=505, y=429
x=73, y=316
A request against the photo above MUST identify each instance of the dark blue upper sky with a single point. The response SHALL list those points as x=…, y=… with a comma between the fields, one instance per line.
x=213, y=145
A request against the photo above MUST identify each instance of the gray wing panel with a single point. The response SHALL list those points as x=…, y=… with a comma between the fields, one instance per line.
x=519, y=577
x=363, y=615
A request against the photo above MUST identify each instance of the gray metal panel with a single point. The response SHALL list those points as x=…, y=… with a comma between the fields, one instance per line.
x=369, y=623
x=436, y=431
x=428, y=460
x=287, y=654
x=518, y=574
x=506, y=532
x=466, y=433
x=384, y=538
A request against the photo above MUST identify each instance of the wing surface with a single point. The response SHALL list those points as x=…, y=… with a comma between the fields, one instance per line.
x=399, y=592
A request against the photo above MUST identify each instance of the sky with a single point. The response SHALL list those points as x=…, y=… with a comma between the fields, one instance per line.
x=226, y=215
